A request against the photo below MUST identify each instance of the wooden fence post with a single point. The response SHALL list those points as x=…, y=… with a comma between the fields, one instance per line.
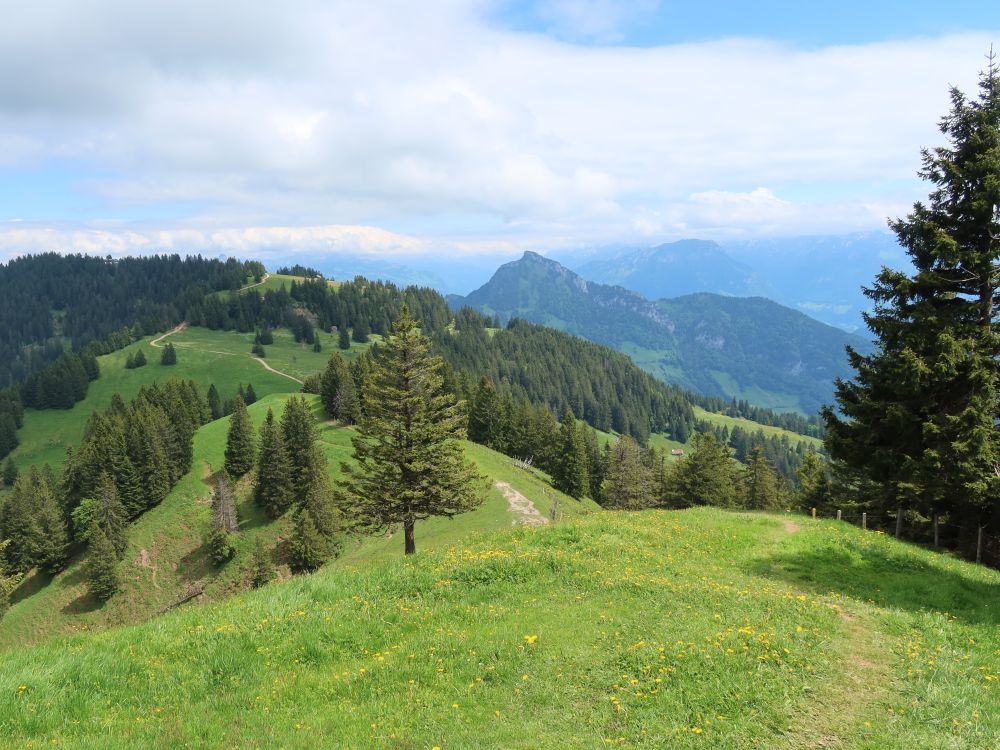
x=935, y=531
x=864, y=521
x=899, y=522
x=838, y=515
x=814, y=513
x=979, y=544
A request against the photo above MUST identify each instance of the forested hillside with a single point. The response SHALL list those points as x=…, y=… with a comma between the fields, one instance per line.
x=53, y=303
x=744, y=348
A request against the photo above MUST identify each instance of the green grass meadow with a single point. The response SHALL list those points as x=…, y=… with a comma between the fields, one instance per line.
x=686, y=629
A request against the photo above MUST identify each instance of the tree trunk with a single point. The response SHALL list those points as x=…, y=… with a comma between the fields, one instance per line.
x=899, y=522
x=936, y=538
x=411, y=546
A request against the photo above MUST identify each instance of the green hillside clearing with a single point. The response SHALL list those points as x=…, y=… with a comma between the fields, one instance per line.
x=662, y=629
x=167, y=555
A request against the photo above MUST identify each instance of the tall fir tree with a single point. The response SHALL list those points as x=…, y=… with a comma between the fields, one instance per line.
x=9, y=472
x=570, y=473
x=101, y=570
x=337, y=391
x=110, y=514
x=918, y=419
x=20, y=527
x=343, y=338
x=9, y=580
x=814, y=490
x=169, y=355
x=261, y=567
x=53, y=534
x=214, y=402
x=761, y=488
x=628, y=484
x=307, y=547
x=298, y=430
x=361, y=330
x=410, y=461
x=273, y=489
x=240, y=443
x=706, y=476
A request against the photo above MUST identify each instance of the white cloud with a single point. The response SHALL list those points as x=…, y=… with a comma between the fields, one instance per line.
x=394, y=114
x=17, y=238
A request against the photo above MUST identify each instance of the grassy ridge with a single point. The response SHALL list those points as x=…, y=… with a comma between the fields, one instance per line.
x=167, y=555
x=682, y=629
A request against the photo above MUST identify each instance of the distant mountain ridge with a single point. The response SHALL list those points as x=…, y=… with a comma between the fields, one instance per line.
x=821, y=276
x=675, y=269
x=735, y=347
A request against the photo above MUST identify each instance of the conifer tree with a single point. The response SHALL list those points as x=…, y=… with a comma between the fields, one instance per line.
x=760, y=483
x=298, y=430
x=273, y=489
x=486, y=416
x=103, y=577
x=140, y=359
x=706, y=476
x=918, y=420
x=317, y=346
x=53, y=543
x=250, y=397
x=343, y=338
x=337, y=391
x=240, y=444
x=110, y=514
x=20, y=527
x=9, y=473
x=308, y=549
x=570, y=473
x=214, y=402
x=9, y=580
x=628, y=483
x=815, y=490
x=410, y=461
x=261, y=567
x=361, y=330
x=169, y=355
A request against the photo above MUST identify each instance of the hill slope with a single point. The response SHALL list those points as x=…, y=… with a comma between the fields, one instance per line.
x=693, y=629
x=167, y=554
x=745, y=348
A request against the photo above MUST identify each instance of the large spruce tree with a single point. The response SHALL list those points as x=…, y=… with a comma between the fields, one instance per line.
x=273, y=489
x=337, y=391
x=570, y=471
x=240, y=444
x=918, y=420
x=410, y=461
x=628, y=484
x=103, y=577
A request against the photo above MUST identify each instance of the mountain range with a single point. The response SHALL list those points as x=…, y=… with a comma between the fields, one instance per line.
x=736, y=347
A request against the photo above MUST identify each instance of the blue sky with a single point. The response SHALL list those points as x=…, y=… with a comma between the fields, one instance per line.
x=466, y=126
x=810, y=24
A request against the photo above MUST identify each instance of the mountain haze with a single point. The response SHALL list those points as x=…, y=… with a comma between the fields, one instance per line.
x=745, y=348
x=674, y=269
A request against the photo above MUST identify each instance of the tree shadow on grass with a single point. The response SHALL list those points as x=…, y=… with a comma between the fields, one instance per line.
x=31, y=584
x=197, y=565
x=886, y=580
x=84, y=603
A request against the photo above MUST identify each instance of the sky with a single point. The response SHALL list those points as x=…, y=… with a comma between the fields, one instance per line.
x=467, y=126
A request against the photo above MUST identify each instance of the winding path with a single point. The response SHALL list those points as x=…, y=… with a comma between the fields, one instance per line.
x=155, y=343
